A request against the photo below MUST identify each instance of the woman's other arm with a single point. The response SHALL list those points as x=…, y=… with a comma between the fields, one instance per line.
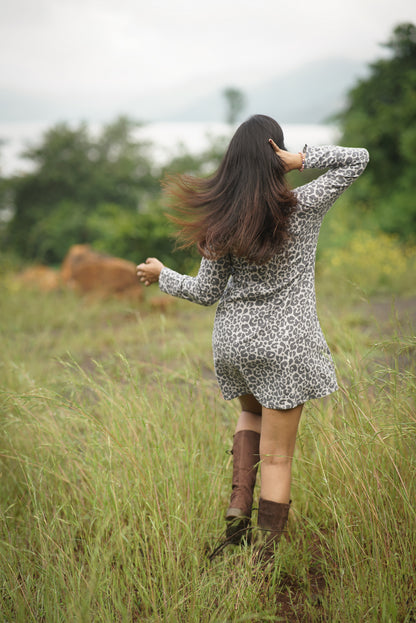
x=205, y=289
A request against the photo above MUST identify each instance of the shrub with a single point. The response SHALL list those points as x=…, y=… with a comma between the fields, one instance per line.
x=374, y=262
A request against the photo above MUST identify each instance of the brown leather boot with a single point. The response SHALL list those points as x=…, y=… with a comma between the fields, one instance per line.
x=272, y=520
x=245, y=462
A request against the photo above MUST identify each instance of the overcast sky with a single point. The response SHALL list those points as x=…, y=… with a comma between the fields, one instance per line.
x=114, y=48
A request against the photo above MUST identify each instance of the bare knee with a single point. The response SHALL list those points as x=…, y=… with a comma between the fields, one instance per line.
x=274, y=459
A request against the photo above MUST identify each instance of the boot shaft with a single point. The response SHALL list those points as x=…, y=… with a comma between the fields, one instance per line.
x=272, y=516
x=245, y=463
x=246, y=456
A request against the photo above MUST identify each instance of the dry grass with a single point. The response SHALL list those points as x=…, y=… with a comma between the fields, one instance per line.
x=115, y=474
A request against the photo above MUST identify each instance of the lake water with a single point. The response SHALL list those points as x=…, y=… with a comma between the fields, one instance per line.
x=166, y=138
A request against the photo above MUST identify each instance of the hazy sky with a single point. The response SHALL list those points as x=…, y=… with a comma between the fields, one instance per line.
x=116, y=48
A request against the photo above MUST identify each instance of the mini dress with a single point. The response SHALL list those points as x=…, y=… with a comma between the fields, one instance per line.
x=267, y=340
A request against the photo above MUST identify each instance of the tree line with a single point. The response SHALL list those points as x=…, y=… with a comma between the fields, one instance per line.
x=105, y=189
x=381, y=115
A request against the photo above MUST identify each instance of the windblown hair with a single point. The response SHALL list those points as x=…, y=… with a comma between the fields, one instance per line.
x=243, y=209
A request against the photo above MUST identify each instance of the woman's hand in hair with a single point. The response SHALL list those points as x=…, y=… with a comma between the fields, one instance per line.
x=149, y=271
x=290, y=161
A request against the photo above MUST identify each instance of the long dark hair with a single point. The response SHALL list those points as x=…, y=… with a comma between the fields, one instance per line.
x=243, y=209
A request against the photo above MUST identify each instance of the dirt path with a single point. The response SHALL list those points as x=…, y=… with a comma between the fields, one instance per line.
x=384, y=310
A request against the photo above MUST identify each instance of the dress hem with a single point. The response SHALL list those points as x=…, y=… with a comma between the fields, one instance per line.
x=286, y=406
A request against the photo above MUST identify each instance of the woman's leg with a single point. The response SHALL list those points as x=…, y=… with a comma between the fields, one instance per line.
x=250, y=416
x=245, y=462
x=277, y=446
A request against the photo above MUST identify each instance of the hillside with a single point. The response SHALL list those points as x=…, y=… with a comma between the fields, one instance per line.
x=309, y=95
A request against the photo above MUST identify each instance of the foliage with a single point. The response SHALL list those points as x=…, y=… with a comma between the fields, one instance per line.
x=137, y=235
x=389, y=265
x=381, y=115
x=51, y=236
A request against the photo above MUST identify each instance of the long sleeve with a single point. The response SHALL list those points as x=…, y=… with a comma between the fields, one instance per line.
x=345, y=165
x=205, y=289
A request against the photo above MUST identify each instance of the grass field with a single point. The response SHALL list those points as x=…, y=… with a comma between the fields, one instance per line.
x=115, y=474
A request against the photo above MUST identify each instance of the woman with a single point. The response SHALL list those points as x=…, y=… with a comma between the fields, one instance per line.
x=258, y=243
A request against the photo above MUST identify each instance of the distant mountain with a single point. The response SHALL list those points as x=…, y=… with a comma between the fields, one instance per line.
x=308, y=95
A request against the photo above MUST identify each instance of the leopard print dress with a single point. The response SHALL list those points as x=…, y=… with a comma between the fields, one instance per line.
x=267, y=340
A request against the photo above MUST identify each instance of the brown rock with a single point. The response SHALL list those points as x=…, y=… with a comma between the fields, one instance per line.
x=87, y=271
x=40, y=278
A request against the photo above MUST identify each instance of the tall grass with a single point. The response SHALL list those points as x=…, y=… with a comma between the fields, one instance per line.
x=115, y=472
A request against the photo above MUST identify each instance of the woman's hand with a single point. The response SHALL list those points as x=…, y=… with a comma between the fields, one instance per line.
x=290, y=161
x=149, y=271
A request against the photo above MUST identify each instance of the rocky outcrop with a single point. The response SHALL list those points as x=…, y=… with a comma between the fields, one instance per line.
x=87, y=271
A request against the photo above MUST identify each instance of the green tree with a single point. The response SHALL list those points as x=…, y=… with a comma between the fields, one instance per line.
x=381, y=115
x=137, y=235
x=74, y=172
x=236, y=102
x=102, y=189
